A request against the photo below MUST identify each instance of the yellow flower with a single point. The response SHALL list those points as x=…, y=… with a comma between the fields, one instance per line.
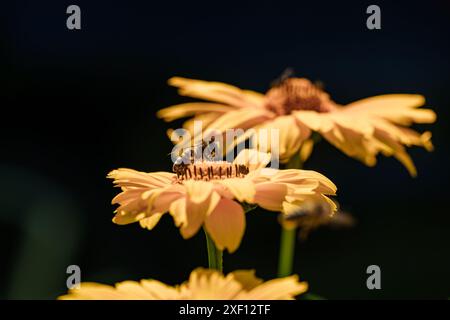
x=203, y=284
x=209, y=193
x=296, y=107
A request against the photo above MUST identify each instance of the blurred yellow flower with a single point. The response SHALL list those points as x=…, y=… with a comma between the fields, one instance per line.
x=296, y=107
x=203, y=284
x=210, y=193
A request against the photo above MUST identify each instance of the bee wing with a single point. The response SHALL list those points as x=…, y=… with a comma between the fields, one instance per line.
x=342, y=219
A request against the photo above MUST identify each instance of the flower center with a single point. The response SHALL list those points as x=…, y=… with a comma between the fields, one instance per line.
x=297, y=94
x=207, y=167
x=209, y=170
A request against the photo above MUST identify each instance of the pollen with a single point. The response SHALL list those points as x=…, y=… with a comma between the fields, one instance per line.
x=297, y=94
x=209, y=170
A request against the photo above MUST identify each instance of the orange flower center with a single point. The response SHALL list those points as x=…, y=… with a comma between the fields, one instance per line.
x=209, y=170
x=297, y=94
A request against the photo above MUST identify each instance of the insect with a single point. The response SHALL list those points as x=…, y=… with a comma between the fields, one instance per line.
x=210, y=147
x=286, y=74
x=189, y=156
x=181, y=164
x=290, y=73
x=313, y=214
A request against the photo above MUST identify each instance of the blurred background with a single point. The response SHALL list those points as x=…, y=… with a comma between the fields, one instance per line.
x=77, y=104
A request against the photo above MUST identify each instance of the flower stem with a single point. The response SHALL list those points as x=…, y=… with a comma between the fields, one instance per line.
x=287, y=248
x=287, y=242
x=214, y=254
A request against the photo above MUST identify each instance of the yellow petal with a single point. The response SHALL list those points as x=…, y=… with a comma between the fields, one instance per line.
x=127, y=290
x=205, y=284
x=360, y=124
x=131, y=178
x=306, y=150
x=190, y=215
x=389, y=101
x=189, y=109
x=138, y=191
x=133, y=290
x=161, y=202
x=242, y=188
x=226, y=225
x=276, y=289
x=218, y=91
x=314, y=120
x=398, y=108
x=177, y=210
x=240, y=119
x=198, y=191
x=205, y=118
x=160, y=291
x=404, y=135
x=236, y=119
x=291, y=134
x=246, y=278
x=93, y=291
x=397, y=150
x=353, y=143
x=150, y=222
x=253, y=159
x=304, y=181
x=270, y=195
x=425, y=139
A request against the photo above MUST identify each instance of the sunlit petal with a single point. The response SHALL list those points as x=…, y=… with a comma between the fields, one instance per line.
x=226, y=225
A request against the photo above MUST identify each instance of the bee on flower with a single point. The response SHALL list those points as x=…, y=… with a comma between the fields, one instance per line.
x=213, y=194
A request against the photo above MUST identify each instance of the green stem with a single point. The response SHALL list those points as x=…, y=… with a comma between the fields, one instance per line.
x=288, y=236
x=287, y=248
x=214, y=254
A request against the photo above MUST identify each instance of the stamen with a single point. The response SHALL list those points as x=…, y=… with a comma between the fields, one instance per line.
x=297, y=94
x=186, y=167
x=209, y=170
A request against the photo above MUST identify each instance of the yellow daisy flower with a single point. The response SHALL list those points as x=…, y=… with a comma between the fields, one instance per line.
x=297, y=107
x=203, y=284
x=210, y=193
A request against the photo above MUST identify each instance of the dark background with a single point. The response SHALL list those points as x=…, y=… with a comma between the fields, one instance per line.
x=77, y=104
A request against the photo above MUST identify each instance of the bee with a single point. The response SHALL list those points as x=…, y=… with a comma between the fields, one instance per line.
x=211, y=147
x=286, y=74
x=290, y=73
x=188, y=156
x=181, y=164
x=314, y=214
